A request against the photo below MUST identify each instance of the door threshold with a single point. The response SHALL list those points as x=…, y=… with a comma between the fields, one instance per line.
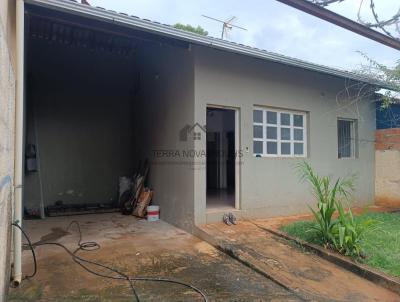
x=216, y=215
x=221, y=209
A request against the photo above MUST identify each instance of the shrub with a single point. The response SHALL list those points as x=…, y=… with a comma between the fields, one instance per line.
x=327, y=195
x=348, y=232
x=343, y=234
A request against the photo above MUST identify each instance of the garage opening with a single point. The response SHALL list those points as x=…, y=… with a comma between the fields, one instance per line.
x=221, y=158
x=96, y=95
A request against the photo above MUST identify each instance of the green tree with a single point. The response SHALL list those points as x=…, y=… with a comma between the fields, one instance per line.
x=386, y=74
x=197, y=30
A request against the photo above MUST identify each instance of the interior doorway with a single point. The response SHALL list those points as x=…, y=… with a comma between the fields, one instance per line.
x=221, y=158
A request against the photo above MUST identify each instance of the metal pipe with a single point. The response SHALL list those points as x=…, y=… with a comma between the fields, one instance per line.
x=334, y=18
x=19, y=140
x=38, y=161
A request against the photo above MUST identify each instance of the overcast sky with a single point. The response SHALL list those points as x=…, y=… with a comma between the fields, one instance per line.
x=272, y=26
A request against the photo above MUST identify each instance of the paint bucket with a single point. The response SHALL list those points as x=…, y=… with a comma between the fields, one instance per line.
x=153, y=213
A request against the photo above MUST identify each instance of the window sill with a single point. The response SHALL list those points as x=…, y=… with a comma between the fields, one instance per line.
x=281, y=156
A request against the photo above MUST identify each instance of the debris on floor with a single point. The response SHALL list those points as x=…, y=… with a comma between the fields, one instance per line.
x=61, y=209
x=143, y=202
x=129, y=198
x=136, y=198
x=133, y=199
x=229, y=219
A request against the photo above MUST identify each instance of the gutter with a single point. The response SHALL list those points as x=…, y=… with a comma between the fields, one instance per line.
x=171, y=32
x=19, y=141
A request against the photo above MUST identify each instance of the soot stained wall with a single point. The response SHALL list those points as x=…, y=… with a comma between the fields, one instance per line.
x=80, y=118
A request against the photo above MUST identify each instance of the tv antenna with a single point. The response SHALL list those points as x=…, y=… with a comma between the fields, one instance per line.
x=226, y=25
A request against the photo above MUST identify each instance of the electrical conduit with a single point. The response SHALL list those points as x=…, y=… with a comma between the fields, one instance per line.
x=19, y=140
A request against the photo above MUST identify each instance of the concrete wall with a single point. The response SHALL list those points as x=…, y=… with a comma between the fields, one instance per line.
x=270, y=186
x=387, y=160
x=165, y=108
x=7, y=17
x=7, y=121
x=80, y=116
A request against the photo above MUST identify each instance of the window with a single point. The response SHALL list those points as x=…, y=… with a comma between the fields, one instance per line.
x=279, y=133
x=346, y=138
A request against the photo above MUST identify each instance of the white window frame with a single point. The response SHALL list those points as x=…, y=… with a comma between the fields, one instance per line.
x=278, y=140
x=353, y=138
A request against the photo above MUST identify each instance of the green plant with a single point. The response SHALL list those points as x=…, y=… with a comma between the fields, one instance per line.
x=349, y=232
x=327, y=195
x=344, y=233
x=379, y=243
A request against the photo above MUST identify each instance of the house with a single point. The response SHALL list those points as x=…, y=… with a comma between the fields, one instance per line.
x=98, y=91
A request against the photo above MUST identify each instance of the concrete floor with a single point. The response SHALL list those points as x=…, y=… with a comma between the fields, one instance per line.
x=313, y=278
x=220, y=199
x=138, y=248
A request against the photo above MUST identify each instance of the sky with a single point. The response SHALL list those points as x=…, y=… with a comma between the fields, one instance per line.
x=273, y=26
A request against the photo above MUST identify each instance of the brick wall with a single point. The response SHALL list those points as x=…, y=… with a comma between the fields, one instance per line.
x=387, y=167
x=387, y=139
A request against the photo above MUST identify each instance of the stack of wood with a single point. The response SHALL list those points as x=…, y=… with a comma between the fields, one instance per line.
x=135, y=200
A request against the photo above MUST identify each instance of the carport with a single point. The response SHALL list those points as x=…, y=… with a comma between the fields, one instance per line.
x=99, y=97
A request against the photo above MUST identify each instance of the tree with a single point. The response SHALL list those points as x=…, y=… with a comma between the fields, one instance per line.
x=197, y=30
x=373, y=69
x=388, y=75
x=390, y=26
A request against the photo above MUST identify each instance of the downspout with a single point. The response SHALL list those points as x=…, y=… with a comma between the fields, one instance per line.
x=19, y=140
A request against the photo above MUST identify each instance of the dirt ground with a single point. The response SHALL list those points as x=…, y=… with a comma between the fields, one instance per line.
x=311, y=276
x=138, y=248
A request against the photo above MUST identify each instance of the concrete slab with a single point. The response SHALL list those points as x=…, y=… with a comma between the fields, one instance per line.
x=312, y=277
x=137, y=247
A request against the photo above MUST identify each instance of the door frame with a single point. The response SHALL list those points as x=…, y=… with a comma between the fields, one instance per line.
x=237, y=150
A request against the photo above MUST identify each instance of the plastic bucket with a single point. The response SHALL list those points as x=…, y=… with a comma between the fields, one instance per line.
x=153, y=213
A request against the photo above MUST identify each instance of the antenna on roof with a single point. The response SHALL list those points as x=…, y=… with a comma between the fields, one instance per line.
x=226, y=25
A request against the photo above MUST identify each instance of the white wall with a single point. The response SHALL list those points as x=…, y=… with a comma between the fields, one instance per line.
x=7, y=121
x=165, y=107
x=387, y=185
x=270, y=186
x=8, y=18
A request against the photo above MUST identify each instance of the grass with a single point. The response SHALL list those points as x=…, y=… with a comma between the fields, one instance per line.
x=381, y=246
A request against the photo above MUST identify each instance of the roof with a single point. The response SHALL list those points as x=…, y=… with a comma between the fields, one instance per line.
x=171, y=32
